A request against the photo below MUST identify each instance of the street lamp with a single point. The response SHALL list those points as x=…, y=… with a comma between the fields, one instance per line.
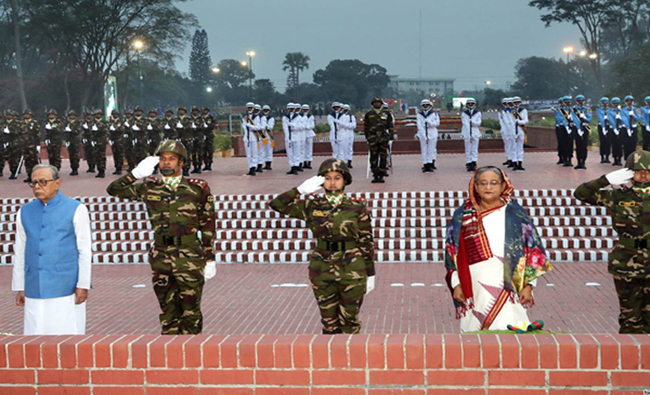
x=567, y=50
x=208, y=89
x=216, y=70
x=593, y=56
x=139, y=46
x=250, y=55
x=488, y=83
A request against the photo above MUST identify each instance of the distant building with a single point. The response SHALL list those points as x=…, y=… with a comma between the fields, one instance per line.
x=424, y=86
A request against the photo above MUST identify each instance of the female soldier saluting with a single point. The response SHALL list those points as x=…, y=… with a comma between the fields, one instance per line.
x=341, y=266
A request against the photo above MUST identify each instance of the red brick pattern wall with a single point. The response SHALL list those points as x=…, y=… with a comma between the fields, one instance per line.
x=327, y=365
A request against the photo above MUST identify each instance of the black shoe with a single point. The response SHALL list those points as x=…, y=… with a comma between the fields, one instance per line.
x=375, y=179
x=13, y=177
x=0, y=174
x=474, y=166
x=91, y=169
x=186, y=172
x=581, y=165
x=425, y=168
x=293, y=171
x=27, y=180
x=268, y=166
x=560, y=161
x=433, y=165
x=468, y=166
x=251, y=172
x=567, y=163
x=506, y=163
x=429, y=168
x=259, y=169
x=308, y=165
x=511, y=164
x=299, y=168
x=74, y=172
x=207, y=168
x=381, y=179
x=350, y=165
x=519, y=167
x=117, y=172
x=100, y=174
x=607, y=159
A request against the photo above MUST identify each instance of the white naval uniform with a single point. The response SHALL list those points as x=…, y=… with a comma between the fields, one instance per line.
x=347, y=123
x=518, y=145
x=250, y=138
x=508, y=133
x=268, y=122
x=471, y=133
x=428, y=122
x=290, y=129
x=55, y=316
x=336, y=134
x=308, y=147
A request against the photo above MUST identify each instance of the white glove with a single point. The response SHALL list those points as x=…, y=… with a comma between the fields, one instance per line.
x=149, y=127
x=631, y=113
x=47, y=142
x=38, y=148
x=620, y=177
x=127, y=124
x=47, y=126
x=94, y=129
x=136, y=128
x=85, y=125
x=311, y=185
x=205, y=126
x=370, y=284
x=179, y=125
x=85, y=141
x=5, y=145
x=110, y=142
x=126, y=136
x=193, y=125
x=145, y=167
x=67, y=129
x=6, y=130
x=210, y=270
x=67, y=144
x=167, y=127
x=112, y=128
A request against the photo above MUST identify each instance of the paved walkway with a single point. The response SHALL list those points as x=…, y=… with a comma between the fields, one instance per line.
x=255, y=298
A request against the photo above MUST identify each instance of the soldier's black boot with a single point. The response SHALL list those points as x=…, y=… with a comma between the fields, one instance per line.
x=100, y=174
x=117, y=172
x=293, y=171
x=567, y=163
x=308, y=164
x=186, y=172
x=91, y=169
x=13, y=177
x=268, y=166
x=425, y=168
x=433, y=165
x=581, y=165
x=519, y=166
x=251, y=172
x=607, y=159
x=375, y=179
x=506, y=163
x=560, y=161
x=468, y=166
x=27, y=180
x=74, y=172
x=381, y=179
x=511, y=164
x=299, y=167
x=259, y=169
x=207, y=167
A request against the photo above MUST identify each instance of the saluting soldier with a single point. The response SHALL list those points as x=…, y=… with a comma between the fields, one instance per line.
x=30, y=142
x=341, y=267
x=629, y=262
x=87, y=139
x=207, y=153
x=116, y=140
x=99, y=133
x=73, y=132
x=53, y=138
x=378, y=128
x=153, y=132
x=197, y=140
x=179, y=209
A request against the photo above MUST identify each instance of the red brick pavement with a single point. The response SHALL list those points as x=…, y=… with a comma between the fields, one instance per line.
x=227, y=178
x=247, y=299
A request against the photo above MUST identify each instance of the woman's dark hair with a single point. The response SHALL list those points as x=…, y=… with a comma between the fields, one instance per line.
x=488, y=168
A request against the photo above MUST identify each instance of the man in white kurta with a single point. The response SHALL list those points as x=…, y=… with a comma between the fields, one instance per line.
x=52, y=261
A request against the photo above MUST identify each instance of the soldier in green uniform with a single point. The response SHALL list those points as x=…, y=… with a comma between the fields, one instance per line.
x=4, y=142
x=185, y=134
x=53, y=138
x=153, y=132
x=138, y=136
x=378, y=128
x=629, y=262
x=127, y=138
x=341, y=267
x=73, y=133
x=99, y=134
x=207, y=152
x=30, y=142
x=116, y=140
x=86, y=140
x=197, y=140
x=168, y=125
x=179, y=209
x=12, y=131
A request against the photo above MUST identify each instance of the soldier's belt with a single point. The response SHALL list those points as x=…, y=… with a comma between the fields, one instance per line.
x=631, y=242
x=335, y=245
x=175, y=240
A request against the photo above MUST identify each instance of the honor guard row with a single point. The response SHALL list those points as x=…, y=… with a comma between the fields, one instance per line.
x=132, y=137
x=513, y=120
x=342, y=124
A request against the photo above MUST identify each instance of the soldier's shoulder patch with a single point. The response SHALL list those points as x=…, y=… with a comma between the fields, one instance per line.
x=360, y=200
x=211, y=198
x=153, y=180
x=198, y=182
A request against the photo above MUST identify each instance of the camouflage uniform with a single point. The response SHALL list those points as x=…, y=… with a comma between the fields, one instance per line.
x=73, y=133
x=12, y=132
x=207, y=153
x=185, y=134
x=99, y=134
x=30, y=138
x=629, y=262
x=344, y=253
x=378, y=128
x=153, y=132
x=197, y=140
x=86, y=139
x=127, y=136
x=168, y=125
x=116, y=140
x=54, y=139
x=4, y=141
x=178, y=256
x=138, y=139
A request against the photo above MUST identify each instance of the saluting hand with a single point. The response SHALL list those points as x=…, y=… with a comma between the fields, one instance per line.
x=311, y=185
x=146, y=167
x=620, y=177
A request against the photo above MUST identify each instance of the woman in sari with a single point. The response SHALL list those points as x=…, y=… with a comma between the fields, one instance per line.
x=493, y=255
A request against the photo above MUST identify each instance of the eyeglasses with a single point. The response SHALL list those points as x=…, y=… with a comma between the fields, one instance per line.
x=42, y=183
x=493, y=184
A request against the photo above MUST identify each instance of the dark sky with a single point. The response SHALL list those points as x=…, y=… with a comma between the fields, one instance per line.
x=472, y=41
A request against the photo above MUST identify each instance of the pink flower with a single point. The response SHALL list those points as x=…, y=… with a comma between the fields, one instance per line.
x=535, y=258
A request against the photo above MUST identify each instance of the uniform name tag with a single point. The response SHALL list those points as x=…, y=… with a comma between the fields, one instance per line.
x=155, y=198
x=320, y=213
x=627, y=204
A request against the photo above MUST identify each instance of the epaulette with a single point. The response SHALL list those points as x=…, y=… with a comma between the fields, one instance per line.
x=154, y=180
x=360, y=200
x=202, y=183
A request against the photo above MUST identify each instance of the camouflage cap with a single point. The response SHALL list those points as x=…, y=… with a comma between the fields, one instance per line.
x=72, y=112
x=52, y=111
x=153, y=110
x=98, y=111
x=28, y=112
x=115, y=111
x=195, y=108
x=638, y=160
x=169, y=110
x=376, y=98
x=206, y=108
x=182, y=108
x=11, y=112
x=129, y=111
x=138, y=108
x=173, y=146
x=336, y=165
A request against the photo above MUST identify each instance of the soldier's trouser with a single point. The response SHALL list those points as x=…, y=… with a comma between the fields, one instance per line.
x=471, y=149
x=13, y=157
x=197, y=151
x=54, y=153
x=581, y=145
x=308, y=150
x=178, y=283
x=605, y=143
x=337, y=148
x=267, y=152
x=629, y=143
x=428, y=148
x=350, y=148
x=72, y=145
x=99, y=153
x=252, y=152
x=88, y=153
x=188, y=143
x=378, y=155
x=339, y=289
x=558, y=136
x=645, y=134
x=634, y=300
x=208, y=149
x=566, y=144
x=617, y=147
x=2, y=157
x=31, y=158
x=118, y=153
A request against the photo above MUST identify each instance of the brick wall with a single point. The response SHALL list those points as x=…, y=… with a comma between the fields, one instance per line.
x=328, y=365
